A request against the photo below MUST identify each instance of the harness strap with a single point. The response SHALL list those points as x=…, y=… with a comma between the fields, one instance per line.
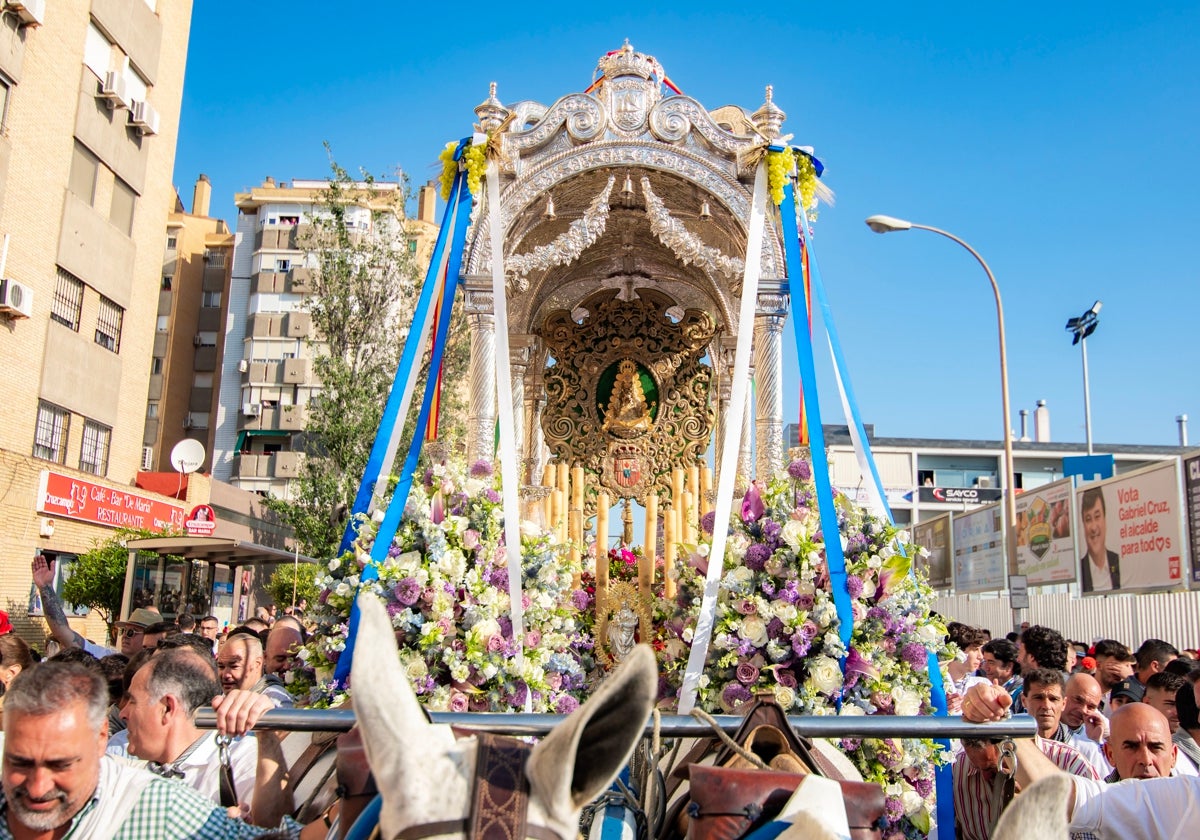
x=501, y=796
x=435, y=829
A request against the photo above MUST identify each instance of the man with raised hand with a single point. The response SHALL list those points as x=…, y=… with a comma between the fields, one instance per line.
x=240, y=665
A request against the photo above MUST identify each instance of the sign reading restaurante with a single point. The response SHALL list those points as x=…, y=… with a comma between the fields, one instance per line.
x=74, y=498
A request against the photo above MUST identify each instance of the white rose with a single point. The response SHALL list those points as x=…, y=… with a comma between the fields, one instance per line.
x=473, y=486
x=913, y=803
x=875, y=561
x=785, y=612
x=342, y=590
x=335, y=564
x=785, y=697
x=852, y=710
x=703, y=549
x=825, y=675
x=415, y=669
x=794, y=534
x=453, y=564
x=754, y=630
x=908, y=703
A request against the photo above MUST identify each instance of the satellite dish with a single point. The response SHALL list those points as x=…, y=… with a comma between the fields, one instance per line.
x=187, y=456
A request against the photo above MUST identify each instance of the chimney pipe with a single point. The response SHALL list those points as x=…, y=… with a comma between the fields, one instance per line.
x=1024, y=424
x=1041, y=423
x=427, y=204
x=201, y=196
x=1182, y=421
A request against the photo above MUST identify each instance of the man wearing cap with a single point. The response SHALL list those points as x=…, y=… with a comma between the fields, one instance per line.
x=130, y=630
x=1126, y=691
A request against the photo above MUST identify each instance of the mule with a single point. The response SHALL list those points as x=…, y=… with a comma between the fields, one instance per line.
x=427, y=776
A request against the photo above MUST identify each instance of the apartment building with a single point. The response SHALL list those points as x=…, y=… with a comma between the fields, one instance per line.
x=90, y=95
x=267, y=377
x=192, y=304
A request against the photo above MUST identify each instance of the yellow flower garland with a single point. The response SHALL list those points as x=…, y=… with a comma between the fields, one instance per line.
x=779, y=168
x=449, y=169
x=474, y=159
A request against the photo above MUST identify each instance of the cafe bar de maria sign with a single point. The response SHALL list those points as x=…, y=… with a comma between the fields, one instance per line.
x=74, y=498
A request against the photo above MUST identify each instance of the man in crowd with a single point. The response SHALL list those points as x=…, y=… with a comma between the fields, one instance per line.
x=210, y=626
x=1155, y=808
x=240, y=665
x=1161, y=691
x=1044, y=701
x=156, y=632
x=1040, y=647
x=1000, y=665
x=1114, y=663
x=1081, y=714
x=1139, y=744
x=285, y=638
x=130, y=631
x=1152, y=657
x=1126, y=691
x=57, y=781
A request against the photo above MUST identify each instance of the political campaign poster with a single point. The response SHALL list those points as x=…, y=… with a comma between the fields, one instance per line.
x=1130, y=532
x=1045, y=534
x=978, y=550
x=1191, y=489
x=934, y=536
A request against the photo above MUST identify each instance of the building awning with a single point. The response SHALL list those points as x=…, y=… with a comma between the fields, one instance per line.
x=217, y=550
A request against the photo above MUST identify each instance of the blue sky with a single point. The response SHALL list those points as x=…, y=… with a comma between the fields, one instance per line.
x=1053, y=137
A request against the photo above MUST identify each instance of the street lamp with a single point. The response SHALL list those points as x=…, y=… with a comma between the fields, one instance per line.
x=1081, y=328
x=889, y=224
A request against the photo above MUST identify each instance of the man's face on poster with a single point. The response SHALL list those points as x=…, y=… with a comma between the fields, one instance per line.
x=1095, y=529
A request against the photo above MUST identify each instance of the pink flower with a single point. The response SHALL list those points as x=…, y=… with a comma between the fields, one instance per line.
x=437, y=508
x=459, y=702
x=747, y=607
x=752, y=504
x=785, y=677
x=495, y=643
x=747, y=674
x=533, y=638
x=471, y=539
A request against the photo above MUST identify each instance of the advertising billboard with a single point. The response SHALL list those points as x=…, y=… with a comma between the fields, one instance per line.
x=934, y=536
x=1191, y=490
x=978, y=543
x=1130, y=532
x=1046, y=534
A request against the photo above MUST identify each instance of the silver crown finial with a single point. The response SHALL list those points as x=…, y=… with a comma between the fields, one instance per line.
x=769, y=118
x=491, y=112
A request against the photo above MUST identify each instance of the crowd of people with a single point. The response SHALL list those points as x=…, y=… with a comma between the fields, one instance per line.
x=1114, y=719
x=102, y=741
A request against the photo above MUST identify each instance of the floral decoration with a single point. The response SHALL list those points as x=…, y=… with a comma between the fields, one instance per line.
x=776, y=630
x=445, y=585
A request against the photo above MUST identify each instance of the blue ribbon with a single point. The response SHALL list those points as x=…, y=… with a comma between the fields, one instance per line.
x=943, y=778
x=391, y=520
x=835, y=558
x=405, y=370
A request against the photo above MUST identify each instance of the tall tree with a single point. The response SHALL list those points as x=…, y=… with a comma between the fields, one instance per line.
x=363, y=288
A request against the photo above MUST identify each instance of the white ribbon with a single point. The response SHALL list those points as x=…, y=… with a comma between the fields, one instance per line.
x=509, y=478
x=702, y=635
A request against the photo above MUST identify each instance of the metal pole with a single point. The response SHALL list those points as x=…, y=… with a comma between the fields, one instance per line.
x=673, y=726
x=1010, y=497
x=1087, y=398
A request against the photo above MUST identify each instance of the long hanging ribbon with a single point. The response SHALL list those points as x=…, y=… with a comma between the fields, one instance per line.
x=702, y=635
x=835, y=558
x=509, y=478
x=877, y=503
x=802, y=437
x=391, y=520
x=395, y=411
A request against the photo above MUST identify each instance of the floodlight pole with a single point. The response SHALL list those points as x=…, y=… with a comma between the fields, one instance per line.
x=1087, y=398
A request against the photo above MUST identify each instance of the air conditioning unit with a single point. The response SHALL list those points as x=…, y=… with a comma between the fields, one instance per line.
x=29, y=12
x=147, y=457
x=252, y=409
x=143, y=117
x=115, y=90
x=187, y=422
x=985, y=481
x=16, y=299
x=243, y=366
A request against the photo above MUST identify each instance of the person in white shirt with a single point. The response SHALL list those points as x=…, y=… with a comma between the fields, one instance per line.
x=1086, y=726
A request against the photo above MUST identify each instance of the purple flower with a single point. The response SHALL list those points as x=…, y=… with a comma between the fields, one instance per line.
x=915, y=655
x=747, y=673
x=800, y=470
x=407, y=591
x=492, y=496
x=785, y=677
x=459, y=702
x=734, y=694
x=857, y=663
x=923, y=786
x=854, y=586
x=580, y=599
x=533, y=638
x=757, y=556
x=708, y=521
x=775, y=628
x=894, y=809
x=800, y=645
x=481, y=469
x=495, y=643
x=505, y=625
x=566, y=704
x=804, y=601
x=752, y=504
x=437, y=508
x=746, y=607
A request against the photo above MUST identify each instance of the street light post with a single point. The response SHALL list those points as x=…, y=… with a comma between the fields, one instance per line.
x=888, y=224
x=1081, y=328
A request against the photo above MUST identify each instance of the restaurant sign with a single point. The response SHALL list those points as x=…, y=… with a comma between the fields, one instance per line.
x=75, y=498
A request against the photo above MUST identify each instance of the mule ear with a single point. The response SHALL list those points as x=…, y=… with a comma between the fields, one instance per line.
x=1039, y=812
x=579, y=759
x=395, y=730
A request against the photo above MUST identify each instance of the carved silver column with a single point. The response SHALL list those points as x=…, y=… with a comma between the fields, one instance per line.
x=520, y=348
x=769, y=319
x=535, y=401
x=481, y=406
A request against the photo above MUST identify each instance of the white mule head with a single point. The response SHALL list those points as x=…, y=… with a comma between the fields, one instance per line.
x=425, y=775
x=1039, y=813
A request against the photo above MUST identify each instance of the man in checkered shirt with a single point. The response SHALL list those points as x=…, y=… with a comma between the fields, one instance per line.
x=58, y=784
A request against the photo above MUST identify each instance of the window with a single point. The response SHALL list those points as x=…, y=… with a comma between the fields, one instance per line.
x=164, y=322
x=93, y=457
x=50, y=435
x=211, y=300
x=206, y=338
x=97, y=52
x=167, y=281
x=121, y=211
x=152, y=409
x=289, y=220
x=82, y=180
x=68, y=300
x=108, y=325
x=199, y=419
x=172, y=242
x=156, y=365
x=282, y=265
x=5, y=89
x=202, y=380
x=412, y=246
